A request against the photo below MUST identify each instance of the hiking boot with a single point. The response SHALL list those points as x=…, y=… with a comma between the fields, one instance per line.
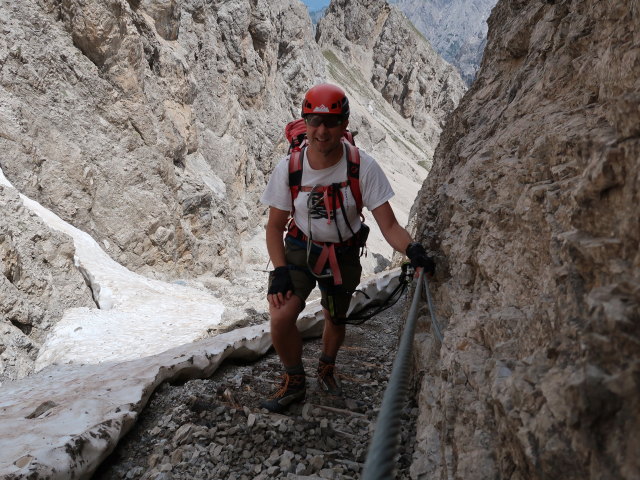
x=292, y=389
x=327, y=378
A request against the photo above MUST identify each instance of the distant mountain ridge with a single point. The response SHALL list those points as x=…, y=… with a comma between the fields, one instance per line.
x=457, y=29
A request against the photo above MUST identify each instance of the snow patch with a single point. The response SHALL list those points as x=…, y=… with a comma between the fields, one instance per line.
x=137, y=316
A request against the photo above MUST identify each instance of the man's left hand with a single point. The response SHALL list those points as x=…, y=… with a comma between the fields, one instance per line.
x=419, y=258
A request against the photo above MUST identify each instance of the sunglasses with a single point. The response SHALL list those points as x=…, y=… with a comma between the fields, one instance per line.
x=330, y=121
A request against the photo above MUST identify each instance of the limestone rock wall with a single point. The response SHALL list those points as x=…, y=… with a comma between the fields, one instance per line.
x=532, y=210
x=38, y=281
x=151, y=124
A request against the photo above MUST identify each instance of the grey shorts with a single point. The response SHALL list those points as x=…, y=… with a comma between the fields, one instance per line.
x=335, y=298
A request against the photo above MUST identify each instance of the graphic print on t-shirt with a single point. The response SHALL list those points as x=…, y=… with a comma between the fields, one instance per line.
x=318, y=207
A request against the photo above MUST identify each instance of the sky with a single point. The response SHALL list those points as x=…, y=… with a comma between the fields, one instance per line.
x=316, y=4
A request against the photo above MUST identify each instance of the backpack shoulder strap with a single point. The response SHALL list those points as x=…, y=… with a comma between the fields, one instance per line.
x=295, y=173
x=353, y=173
x=348, y=136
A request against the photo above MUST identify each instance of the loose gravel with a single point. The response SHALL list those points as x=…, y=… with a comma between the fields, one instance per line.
x=213, y=428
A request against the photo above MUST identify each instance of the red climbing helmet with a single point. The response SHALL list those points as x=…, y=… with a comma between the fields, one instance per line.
x=325, y=98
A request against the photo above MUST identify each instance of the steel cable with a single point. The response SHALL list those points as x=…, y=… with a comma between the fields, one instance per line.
x=384, y=445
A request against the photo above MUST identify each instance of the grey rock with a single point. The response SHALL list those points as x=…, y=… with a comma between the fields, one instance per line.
x=316, y=463
x=176, y=457
x=183, y=434
x=286, y=461
x=273, y=470
x=251, y=420
x=134, y=472
x=327, y=473
x=305, y=411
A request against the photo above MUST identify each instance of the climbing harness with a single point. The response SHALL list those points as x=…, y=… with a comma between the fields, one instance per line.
x=331, y=196
x=296, y=134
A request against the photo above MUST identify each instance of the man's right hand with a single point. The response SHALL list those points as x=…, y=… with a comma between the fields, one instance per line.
x=280, y=286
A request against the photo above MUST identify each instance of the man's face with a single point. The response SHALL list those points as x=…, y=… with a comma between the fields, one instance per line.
x=324, y=132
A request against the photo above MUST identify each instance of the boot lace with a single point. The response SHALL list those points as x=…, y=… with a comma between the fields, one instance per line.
x=287, y=380
x=325, y=373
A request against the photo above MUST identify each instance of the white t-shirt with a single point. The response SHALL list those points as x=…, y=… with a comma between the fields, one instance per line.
x=374, y=186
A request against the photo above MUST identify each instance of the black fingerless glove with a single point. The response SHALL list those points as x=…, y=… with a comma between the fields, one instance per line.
x=419, y=258
x=279, y=281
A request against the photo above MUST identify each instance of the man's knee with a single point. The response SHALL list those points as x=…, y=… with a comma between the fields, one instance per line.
x=285, y=316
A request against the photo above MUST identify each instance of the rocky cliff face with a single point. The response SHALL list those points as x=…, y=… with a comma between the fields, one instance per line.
x=151, y=124
x=531, y=207
x=457, y=29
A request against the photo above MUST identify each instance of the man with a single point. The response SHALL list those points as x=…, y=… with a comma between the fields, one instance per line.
x=323, y=239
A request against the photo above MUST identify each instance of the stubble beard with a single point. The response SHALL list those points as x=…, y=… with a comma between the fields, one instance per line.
x=326, y=150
